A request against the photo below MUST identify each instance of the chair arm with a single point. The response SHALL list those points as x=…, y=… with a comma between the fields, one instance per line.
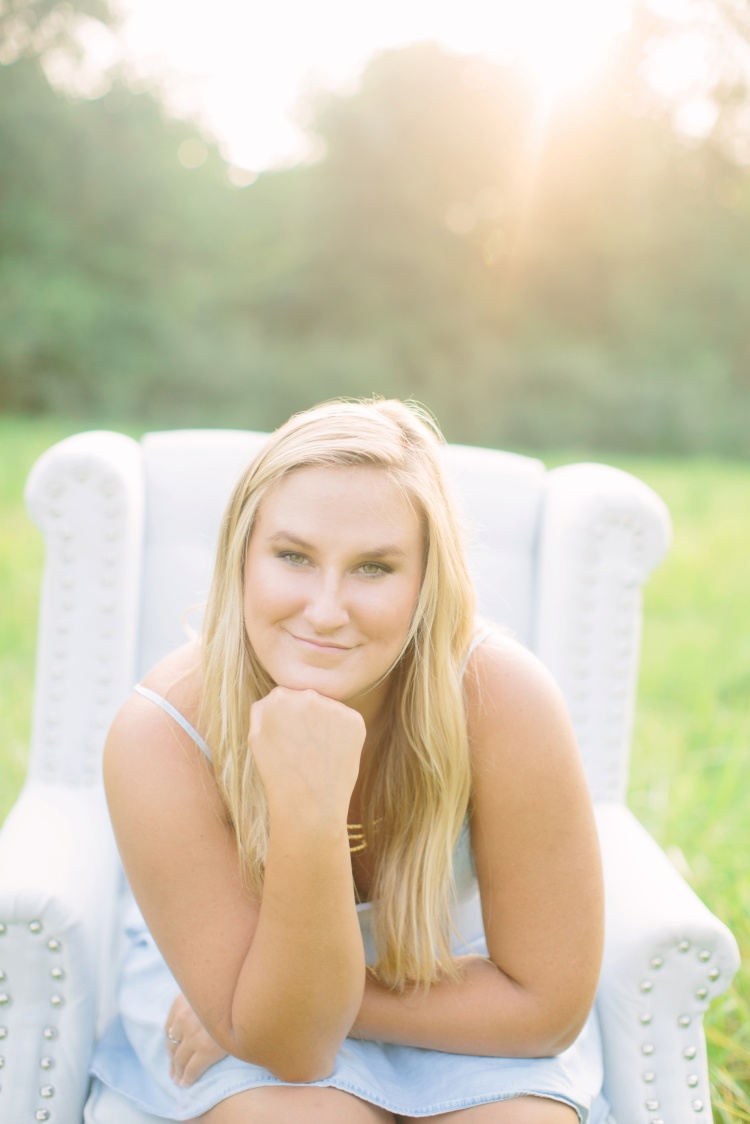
x=58, y=882
x=666, y=956
x=602, y=532
x=86, y=495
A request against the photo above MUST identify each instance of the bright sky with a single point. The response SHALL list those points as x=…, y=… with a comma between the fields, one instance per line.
x=244, y=64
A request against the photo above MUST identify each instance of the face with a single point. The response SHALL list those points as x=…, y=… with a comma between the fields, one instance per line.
x=332, y=576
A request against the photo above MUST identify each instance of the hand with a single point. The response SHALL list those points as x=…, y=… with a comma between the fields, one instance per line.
x=307, y=749
x=195, y=1050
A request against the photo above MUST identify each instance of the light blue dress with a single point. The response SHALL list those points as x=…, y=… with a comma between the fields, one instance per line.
x=132, y=1056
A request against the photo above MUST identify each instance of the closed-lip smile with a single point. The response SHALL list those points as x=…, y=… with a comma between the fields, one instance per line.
x=321, y=643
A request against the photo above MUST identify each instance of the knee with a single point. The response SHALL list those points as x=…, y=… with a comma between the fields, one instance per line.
x=290, y=1104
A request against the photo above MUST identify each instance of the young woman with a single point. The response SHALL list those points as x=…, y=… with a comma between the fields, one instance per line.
x=355, y=823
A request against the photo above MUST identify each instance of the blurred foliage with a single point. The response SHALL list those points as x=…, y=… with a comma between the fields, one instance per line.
x=578, y=278
x=30, y=28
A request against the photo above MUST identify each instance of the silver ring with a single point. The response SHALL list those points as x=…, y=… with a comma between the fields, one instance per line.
x=172, y=1038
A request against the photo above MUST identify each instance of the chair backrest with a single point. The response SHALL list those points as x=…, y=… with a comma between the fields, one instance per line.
x=188, y=479
x=559, y=558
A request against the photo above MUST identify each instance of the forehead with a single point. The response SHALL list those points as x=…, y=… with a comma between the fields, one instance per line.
x=337, y=500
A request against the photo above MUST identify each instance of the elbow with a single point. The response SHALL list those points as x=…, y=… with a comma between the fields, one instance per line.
x=553, y=1022
x=303, y=1072
x=294, y=1071
x=297, y=1067
x=559, y=1042
x=558, y=1034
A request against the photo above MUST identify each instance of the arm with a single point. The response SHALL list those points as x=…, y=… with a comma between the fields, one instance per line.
x=276, y=982
x=538, y=867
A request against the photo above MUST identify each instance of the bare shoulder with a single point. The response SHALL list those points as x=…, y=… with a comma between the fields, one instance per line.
x=177, y=678
x=514, y=705
x=146, y=742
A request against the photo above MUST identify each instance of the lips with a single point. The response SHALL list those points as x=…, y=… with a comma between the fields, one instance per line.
x=321, y=645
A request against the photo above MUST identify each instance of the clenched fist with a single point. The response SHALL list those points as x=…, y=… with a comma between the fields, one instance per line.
x=307, y=748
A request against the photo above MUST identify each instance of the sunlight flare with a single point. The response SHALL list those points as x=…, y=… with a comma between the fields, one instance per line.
x=244, y=71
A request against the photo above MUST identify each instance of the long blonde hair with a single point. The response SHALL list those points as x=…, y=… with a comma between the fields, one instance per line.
x=417, y=784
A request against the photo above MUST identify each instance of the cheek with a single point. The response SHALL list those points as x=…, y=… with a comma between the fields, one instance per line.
x=256, y=614
x=266, y=591
x=392, y=614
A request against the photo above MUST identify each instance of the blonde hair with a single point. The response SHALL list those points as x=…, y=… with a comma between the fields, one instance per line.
x=418, y=782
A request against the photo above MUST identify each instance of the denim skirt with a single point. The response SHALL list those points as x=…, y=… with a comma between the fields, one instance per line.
x=407, y=1080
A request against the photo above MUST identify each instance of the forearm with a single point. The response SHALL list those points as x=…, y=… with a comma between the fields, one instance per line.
x=302, y=981
x=485, y=1013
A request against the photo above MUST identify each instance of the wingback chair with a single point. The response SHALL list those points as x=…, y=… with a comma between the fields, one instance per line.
x=560, y=557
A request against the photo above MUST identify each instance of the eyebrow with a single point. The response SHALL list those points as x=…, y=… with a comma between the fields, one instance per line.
x=388, y=550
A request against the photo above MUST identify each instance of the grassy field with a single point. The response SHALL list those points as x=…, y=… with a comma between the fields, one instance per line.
x=691, y=772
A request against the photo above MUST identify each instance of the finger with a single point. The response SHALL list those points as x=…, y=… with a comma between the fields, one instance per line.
x=174, y=1038
x=173, y=1016
x=199, y=1062
x=193, y=1069
x=180, y=1058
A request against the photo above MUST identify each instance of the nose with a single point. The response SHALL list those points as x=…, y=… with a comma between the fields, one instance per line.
x=326, y=609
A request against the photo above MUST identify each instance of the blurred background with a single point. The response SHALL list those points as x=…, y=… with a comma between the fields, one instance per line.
x=534, y=217
x=218, y=215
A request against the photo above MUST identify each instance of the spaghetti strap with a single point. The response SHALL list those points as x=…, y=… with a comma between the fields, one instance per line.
x=483, y=632
x=173, y=712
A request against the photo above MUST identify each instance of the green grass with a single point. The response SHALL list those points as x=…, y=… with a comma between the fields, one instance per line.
x=690, y=774
x=690, y=778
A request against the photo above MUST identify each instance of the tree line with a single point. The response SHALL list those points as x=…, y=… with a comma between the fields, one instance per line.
x=575, y=280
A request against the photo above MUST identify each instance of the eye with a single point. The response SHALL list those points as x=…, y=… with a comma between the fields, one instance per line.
x=293, y=557
x=373, y=569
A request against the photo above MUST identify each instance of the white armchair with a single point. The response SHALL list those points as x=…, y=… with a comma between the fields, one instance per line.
x=558, y=556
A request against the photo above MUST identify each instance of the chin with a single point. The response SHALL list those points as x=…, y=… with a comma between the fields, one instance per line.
x=303, y=680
